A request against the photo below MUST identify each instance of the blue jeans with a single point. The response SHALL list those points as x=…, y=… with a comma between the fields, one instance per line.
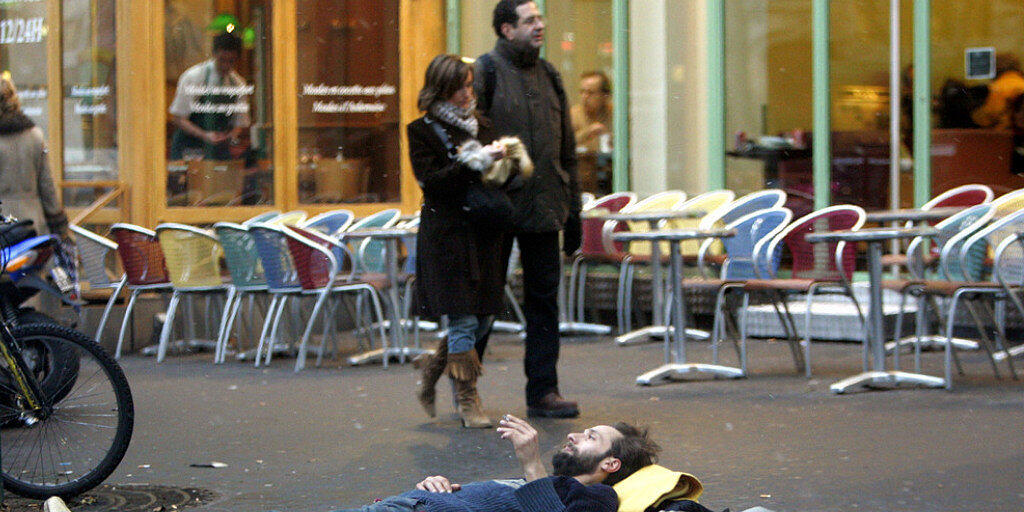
x=392, y=504
x=465, y=330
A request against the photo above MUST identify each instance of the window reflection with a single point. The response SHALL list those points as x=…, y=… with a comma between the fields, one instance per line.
x=90, y=100
x=218, y=92
x=579, y=44
x=23, y=32
x=348, y=101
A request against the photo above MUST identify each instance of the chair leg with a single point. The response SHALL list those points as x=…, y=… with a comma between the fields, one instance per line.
x=273, y=331
x=222, y=330
x=951, y=319
x=267, y=321
x=743, y=331
x=108, y=307
x=985, y=340
x=165, y=332
x=243, y=326
x=300, y=360
x=124, y=322
x=379, y=313
x=807, y=332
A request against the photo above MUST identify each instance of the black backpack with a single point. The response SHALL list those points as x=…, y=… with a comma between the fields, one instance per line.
x=487, y=65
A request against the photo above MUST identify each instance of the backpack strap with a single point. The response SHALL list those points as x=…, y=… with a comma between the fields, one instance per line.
x=490, y=77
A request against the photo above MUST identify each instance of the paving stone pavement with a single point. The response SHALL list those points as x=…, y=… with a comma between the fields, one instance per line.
x=339, y=436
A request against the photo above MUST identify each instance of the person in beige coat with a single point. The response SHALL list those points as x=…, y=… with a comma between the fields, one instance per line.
x=26, y=186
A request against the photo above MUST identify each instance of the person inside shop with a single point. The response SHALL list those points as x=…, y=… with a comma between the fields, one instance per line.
x=209, y=111
x=591, y=122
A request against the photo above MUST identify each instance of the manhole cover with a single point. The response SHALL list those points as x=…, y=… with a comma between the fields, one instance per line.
x=124, y=498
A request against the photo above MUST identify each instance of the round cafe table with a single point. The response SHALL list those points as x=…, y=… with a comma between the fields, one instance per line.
x=654, y=220
x=675, y=366
x=877, y=376
x=396, y=331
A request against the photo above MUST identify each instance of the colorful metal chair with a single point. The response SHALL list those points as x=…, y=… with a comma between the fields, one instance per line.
x=369, y=252
x=247, y=279
x=319, y=274
x=93, y=251
x=144, y=267
x=193, y=264
x=282, y=281
x=330, y=223
x=816, y=269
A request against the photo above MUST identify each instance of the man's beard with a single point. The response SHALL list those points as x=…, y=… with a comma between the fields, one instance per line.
x=570, y=464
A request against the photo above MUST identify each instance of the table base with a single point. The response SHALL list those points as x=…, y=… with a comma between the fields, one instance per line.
x=1014, y=351
x=679, y=371
x=887, y=380
x=377, y=355
x=509, y=327
x=657, y=331
x=182, y=346
x=569, y=328
x=931, y=342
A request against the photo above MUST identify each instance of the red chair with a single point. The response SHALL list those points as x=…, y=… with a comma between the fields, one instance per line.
x=593, y=248
x=144, y=267
x=825, y=268
x=319, y=273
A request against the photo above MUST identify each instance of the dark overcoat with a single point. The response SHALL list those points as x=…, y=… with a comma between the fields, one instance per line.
x=459, y=266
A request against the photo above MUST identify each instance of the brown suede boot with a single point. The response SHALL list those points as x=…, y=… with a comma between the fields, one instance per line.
x=431, y=367
x=465, y=369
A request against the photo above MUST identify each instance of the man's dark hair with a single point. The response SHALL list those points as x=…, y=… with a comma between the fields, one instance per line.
x=606, y=84
x=505, y=12
x=226, y=41
x=634, y=449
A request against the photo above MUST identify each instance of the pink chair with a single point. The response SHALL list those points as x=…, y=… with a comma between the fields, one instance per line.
x=594, y=247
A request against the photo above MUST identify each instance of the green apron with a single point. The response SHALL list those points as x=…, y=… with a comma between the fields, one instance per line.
x=213, y=121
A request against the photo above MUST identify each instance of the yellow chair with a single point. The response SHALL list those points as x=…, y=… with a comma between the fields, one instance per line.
x=292, y=218
x=1008, y=203
x=662, y=201
x=705, y=208
x=193, y=265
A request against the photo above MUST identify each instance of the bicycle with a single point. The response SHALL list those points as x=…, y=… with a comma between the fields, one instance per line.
x=66, y=410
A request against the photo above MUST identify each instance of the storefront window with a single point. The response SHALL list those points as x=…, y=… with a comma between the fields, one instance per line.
x=348, y=101
x=976, y=79
x=579, y=44
x=219, y=139
x=23, y=31
x=90, y=100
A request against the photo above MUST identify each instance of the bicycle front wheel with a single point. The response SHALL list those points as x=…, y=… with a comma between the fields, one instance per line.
x=80, y=443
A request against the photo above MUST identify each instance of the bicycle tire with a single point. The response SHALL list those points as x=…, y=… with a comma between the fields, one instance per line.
x=60, y=355
x=38, y=458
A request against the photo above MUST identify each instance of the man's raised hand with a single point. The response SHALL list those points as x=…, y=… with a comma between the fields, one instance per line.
x=524, y=442
x=437, y=483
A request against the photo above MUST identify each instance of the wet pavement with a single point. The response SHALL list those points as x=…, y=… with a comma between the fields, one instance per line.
x=339, y=436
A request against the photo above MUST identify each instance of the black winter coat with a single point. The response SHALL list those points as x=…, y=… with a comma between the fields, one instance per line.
x=525, y=102
x=460, y=268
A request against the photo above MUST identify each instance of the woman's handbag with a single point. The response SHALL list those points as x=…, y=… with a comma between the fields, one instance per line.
x=488, y=207
x=485, y=206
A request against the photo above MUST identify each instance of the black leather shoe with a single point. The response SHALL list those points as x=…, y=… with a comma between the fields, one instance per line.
x=553, y=406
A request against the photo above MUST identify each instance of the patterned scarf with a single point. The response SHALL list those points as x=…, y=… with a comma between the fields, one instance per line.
x=456, y=116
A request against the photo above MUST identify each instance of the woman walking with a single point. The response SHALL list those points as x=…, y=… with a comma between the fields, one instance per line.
x=26, y=186
x=459, y=269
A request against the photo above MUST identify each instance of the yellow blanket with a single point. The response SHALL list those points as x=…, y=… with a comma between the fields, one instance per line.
x=654, y=485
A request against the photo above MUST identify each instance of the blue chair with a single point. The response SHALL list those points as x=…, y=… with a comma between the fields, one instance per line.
x=330, y=223
x=282, y=279
x=369, y=252
x=750, y=203
x=752, y=231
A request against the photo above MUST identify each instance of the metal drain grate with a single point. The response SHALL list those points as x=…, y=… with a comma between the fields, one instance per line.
x=123, y=498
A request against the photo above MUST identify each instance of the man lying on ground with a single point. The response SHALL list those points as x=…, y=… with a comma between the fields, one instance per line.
x=584, y=471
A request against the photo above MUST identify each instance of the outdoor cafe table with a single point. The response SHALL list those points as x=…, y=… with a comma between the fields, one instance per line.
x=675, y=365
x=877, y=376
x=396, y=348
x=912, y=214
x=654, y=219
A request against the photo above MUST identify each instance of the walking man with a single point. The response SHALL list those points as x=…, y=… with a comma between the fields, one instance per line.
x=522, y=95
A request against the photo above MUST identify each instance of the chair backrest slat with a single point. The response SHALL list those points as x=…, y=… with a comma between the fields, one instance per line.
x=141, y=255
